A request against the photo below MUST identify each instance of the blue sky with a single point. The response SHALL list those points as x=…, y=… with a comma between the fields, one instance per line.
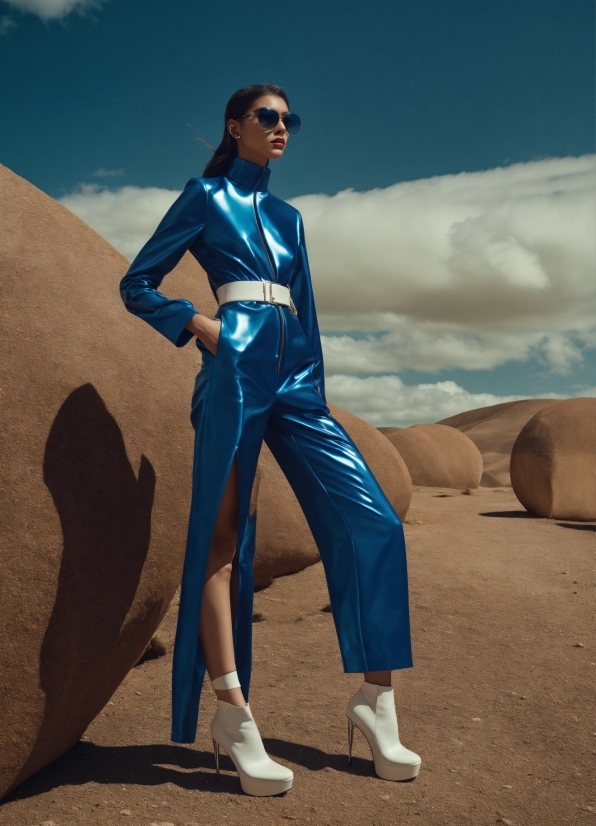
x=388, y=92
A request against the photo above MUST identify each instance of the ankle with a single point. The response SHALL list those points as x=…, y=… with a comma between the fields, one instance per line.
x=232, y=696
x=382, y=678
x=228, y=690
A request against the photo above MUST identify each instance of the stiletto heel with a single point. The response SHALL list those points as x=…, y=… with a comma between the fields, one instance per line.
x=350, y=740
x=216, y=752
x=234, y=729
x=372, y=711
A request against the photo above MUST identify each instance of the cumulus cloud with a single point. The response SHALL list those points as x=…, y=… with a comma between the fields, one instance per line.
x=53, y=9
x=467, y=271
x=125, y=217
x=385, y=401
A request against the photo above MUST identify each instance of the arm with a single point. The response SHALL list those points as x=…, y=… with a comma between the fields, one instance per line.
x=175, y=234
x=303, y=298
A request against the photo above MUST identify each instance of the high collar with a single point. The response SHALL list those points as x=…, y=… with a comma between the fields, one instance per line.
x=248, y=174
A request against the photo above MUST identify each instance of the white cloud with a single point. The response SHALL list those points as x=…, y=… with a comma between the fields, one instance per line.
x=466, y=271
x=386, y=401
x=125, y=217
x=53, y=9
x=432, y=346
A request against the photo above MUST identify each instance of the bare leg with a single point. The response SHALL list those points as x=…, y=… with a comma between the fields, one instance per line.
x=378, y=677
x=215, y=631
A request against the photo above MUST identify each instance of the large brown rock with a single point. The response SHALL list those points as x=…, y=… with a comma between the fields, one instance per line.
x=437, y=455
x=284, y=541
x=96, y=447
x=493, y=430
x=553, y=461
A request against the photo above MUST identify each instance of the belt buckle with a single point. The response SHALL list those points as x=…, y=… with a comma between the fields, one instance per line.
x=268, y=292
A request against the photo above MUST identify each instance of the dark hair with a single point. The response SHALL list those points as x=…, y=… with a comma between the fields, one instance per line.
x=238, y=105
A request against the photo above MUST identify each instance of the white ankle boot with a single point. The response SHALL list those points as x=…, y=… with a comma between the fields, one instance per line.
x=372, y=710
x=234, y=729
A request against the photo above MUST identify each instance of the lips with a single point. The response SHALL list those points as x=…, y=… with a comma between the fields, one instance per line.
x=278, y=144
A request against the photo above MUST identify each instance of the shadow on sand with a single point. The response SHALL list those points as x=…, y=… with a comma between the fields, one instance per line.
x=154, y=765
x=578, y=526
x=512, y=514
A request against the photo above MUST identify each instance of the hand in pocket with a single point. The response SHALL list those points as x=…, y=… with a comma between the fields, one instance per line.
x=211, y=337
x=206, y=329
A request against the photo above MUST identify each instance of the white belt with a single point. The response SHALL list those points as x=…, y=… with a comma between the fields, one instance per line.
x=269, y=291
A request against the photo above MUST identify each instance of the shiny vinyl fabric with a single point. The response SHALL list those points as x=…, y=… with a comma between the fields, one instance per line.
x=266, y=383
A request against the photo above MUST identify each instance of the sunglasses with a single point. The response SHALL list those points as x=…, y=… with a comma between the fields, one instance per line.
x=269, y=118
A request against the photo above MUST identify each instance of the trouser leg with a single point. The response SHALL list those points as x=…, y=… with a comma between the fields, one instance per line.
x=359, y=535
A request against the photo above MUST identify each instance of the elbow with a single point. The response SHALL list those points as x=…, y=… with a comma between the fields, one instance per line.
x=123, y=287
x=127, y=290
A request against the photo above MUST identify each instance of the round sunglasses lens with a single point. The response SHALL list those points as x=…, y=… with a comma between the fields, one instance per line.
x=268, y=118
x=292, y=123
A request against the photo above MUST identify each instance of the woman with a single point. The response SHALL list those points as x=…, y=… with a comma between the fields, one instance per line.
x=262, y=379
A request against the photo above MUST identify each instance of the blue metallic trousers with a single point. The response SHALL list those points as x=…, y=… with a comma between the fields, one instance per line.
x=260, y=386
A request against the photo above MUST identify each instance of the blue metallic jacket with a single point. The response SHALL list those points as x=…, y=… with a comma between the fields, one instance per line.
x=238, y=231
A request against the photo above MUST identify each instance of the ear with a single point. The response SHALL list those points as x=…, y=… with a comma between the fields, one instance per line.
x=232, y=127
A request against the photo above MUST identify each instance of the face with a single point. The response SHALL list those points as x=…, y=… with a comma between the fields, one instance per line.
x=255, y=143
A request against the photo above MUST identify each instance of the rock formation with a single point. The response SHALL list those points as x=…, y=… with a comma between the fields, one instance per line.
x=553, y=461
x=493, y=430
x=96, y=446
x=437, y=455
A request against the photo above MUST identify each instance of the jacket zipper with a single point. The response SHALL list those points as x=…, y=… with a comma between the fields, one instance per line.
x=265, y=247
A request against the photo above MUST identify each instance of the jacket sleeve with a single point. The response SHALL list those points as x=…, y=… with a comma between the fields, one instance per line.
x=303, y=298
x=176, y=232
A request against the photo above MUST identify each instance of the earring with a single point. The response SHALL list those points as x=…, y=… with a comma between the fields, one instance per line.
x=233, y=135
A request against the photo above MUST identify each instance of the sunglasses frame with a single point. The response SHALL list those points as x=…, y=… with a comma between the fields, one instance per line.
x=265, y=126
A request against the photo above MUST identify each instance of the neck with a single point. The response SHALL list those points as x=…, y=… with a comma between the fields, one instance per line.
x=253, y=157
x=249, y=175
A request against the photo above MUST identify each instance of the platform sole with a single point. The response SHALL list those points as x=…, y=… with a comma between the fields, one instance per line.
x=387, y=769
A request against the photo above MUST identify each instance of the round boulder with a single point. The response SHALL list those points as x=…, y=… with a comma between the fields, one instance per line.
x=437, y=455
x=97, y=447
x=493, y=430
x=553, y=461
x=284, y=541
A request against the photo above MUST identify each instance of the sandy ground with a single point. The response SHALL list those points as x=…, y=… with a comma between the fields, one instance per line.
x=499, y=703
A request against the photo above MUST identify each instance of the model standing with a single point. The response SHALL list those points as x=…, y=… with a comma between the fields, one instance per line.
x=262, y=379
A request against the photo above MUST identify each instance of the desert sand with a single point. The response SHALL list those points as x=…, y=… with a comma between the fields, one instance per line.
x=498, y=704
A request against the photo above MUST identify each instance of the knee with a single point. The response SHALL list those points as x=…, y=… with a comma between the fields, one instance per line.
x=220, y=572
x=394, y=523
x=221, y=554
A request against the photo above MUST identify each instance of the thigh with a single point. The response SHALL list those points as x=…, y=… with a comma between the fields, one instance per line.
x=359, y=536
x=226, y=523
x=327, y=472
x=316, y=453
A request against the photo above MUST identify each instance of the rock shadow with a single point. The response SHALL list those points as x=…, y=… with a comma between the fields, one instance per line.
x=512, y=514
x=105, y=515
x=157, y=764
x=582, y=526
